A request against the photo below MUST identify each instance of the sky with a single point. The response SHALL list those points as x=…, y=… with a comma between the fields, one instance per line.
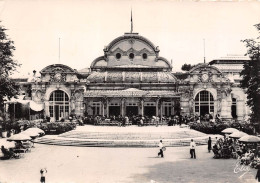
x=84, y=27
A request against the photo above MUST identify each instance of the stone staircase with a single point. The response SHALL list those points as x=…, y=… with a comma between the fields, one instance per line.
x=125, y=138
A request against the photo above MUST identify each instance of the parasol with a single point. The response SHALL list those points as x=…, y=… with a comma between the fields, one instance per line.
x=230, y=130
x=38, y=130
x=19, y=137
x=250, y=139
x=30, y=133
x=237, y=135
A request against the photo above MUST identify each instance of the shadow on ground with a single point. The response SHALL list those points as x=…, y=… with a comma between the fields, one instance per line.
x=194, y=171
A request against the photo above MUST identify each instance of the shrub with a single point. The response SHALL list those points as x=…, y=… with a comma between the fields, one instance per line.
x=57, y=127
x=216, y=128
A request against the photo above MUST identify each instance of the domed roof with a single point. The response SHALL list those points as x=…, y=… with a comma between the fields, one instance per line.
x=131, y=51
x=131, y=77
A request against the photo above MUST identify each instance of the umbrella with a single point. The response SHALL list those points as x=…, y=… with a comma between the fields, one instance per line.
x=250, y=138
x=30, y=133
x=230, y=130
x=237, y=135
x=19, y=137
x=7, y=144
x=38, y=130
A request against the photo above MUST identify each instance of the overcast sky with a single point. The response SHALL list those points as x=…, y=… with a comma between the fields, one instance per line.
x=85, y=27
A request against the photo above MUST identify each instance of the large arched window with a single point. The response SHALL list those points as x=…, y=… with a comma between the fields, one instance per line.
x=59, y=105
x=204, y=103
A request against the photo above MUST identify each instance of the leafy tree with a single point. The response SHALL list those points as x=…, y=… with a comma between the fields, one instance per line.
x=7, y=65
x=186, y=67
x=251, y=79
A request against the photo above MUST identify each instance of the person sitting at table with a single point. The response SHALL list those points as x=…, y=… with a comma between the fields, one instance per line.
x=7, y=153
x=19, y=145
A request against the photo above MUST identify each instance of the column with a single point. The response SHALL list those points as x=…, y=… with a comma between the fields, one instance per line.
x=157, y=106
x=103, y=108
x=142, y=107
x=123, y=107
x=107, y=102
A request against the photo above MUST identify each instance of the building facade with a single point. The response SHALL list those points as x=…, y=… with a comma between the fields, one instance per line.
x=131, y=78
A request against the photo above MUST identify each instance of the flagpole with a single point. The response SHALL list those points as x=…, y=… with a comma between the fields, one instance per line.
x=204, y=51
x=131, y=22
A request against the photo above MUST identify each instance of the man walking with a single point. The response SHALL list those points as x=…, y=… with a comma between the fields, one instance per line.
x=192, y=149
x=160, y=148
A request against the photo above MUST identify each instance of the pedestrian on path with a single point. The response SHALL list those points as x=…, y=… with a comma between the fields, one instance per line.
x=209, y=144
x=192, y=149
x=43, y=171
x=257, y=177
x=160, y=149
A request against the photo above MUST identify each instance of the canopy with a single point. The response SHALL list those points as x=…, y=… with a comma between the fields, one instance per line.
x=230, y=130
x=237, y=135
x=250, y=139
x=19, y=137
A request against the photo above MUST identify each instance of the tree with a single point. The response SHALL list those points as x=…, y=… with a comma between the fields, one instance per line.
x=186, y=67
x=7, y=65
x=250, y=78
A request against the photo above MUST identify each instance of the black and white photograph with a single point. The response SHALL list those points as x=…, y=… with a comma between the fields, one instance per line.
x=127, y=91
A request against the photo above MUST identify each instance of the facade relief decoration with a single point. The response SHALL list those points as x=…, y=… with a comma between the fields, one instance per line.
x=57, y=77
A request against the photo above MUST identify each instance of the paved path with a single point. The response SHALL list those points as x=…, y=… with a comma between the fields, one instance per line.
x=120, y=165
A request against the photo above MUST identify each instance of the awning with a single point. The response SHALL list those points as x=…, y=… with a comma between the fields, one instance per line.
x=33, y=105
x=36, y=107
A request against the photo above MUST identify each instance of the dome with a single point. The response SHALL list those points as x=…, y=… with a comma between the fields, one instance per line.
x=131, y=51
x=131, y=77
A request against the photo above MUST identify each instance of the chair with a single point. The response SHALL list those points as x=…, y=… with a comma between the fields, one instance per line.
x=28, y=146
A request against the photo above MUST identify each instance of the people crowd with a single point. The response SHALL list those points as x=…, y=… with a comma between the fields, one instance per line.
x=248, y=154
x=139, y=120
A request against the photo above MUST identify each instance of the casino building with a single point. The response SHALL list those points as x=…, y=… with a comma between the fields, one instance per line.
x=131, y=78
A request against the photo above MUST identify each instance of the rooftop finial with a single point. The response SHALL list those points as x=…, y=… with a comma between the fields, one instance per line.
x=131, y=22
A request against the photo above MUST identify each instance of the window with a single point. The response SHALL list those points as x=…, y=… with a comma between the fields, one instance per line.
x=51, y=111
x=118, y=56
x=131, y=56
x=144, y=56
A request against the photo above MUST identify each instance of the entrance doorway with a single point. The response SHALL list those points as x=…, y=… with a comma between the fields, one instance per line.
x=150, y=111
x=57, y=112
x=114, y=111
x=204, y=103
x=131, y=111
x=59, y=105
x=204, y=110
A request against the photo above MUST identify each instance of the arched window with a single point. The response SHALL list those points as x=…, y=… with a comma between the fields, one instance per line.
x=204, y=103
x=59, y=105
